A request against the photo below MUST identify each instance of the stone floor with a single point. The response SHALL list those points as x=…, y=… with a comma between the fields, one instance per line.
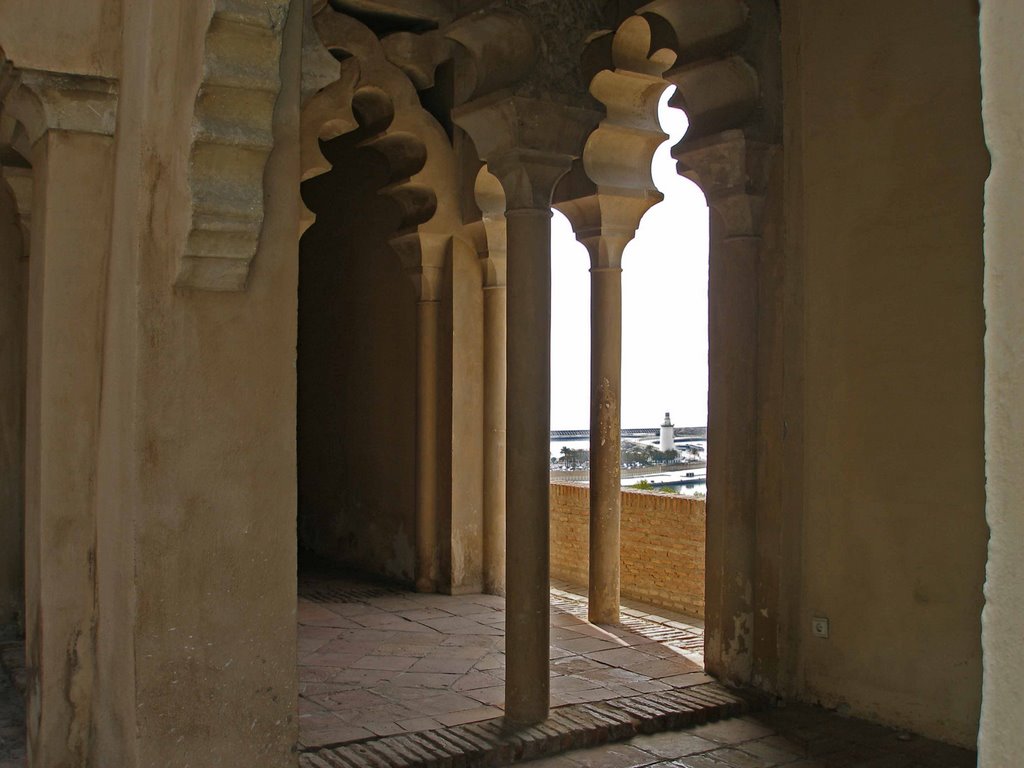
x=795, y=737
x=378, y=666
x=12, y=720
x=375, y=661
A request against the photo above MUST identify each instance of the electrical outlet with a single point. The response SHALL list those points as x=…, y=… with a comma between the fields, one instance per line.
x=819, y=627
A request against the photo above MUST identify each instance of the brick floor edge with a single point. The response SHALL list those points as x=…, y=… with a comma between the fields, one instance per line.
x=489, y=743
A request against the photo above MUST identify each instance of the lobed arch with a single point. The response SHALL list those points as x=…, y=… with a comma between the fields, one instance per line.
x=723, y=59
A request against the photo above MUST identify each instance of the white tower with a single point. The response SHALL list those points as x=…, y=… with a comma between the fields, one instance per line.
x=668, y=435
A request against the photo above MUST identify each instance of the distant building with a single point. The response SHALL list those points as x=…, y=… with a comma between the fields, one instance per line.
x=668, y=434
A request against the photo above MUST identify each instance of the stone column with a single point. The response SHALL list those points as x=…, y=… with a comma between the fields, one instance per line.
x=617, y=160
x=605, y=223
x=69, y=122
x=528, y=145
x=491, y=199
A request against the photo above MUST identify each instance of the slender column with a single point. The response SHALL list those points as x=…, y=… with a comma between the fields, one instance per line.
x=605, y=443
x=605, y=223
x=494, y=438
x=527, y=495
x=528, y=162
x=428, y=320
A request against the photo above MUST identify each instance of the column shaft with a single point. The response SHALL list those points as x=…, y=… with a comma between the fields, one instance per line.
x=494, y=439
x=428, y=319
x=527, y=627
x=605, y=446
x=732, y=451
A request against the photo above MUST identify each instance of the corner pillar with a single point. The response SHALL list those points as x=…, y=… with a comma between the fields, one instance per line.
x=732, y=170
x=69, y=123
x=528, y=145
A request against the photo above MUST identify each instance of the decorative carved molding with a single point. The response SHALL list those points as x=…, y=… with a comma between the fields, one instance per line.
x=528, y=144
x=618, y=154
x=232, y=131
x=733, y=172
x=490, y=197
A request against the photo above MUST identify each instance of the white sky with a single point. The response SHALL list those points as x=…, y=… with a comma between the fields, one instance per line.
x=664, y=307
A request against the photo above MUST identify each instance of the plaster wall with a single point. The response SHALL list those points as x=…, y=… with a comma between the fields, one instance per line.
x=196, y=483
x=1001, y=739
x=886, y=164
x=13, y=282
x=82, y=38
x=357, y=376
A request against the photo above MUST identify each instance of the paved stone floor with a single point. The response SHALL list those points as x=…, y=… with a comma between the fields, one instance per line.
x=376, y=661
x=796, y=737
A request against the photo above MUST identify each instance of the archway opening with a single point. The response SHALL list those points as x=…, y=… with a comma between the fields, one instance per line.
x=664, y=380
x=356, y=369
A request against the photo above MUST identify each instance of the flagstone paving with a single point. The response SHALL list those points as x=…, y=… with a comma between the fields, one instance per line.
x=377, y=661
x=794, y=737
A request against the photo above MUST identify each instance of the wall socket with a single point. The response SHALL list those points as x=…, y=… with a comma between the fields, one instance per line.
x=819, y=627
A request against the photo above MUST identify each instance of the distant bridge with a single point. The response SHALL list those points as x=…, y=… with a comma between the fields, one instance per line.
x=691, y=433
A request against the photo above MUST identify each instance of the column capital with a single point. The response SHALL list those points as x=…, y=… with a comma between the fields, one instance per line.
x=733, y=172
x=605, y=223
x=528, y=144
x=41, y=101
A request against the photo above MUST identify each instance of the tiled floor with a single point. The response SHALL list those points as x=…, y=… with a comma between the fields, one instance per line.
x=795, y=737
x=378, y=661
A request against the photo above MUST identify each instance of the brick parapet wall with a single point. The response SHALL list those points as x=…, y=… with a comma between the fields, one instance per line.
x=662, y=545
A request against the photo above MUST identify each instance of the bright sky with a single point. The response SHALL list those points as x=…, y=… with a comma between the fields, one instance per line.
x=664, y=307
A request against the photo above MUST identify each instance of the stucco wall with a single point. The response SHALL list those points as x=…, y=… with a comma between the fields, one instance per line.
x=1001, y=738
x=662, y=545
x=82, y=38
x=357, y=373
x=13, y=274
x=195, y=530
x=885, y=159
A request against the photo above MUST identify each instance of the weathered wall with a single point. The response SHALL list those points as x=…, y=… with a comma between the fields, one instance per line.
x=662, y=547
x=1001, y=739
x=82, y=38
x=13, y=283
x=196, y=483
x=357, y=373
x=886, y=162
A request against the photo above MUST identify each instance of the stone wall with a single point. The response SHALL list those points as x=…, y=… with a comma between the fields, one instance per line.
x=662, y=545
